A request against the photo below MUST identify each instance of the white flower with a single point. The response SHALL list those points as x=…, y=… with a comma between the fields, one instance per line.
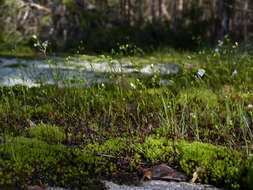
x=216, y=50
x=201, y=72
x=234, y=72
x=250, y=106
x=45, y=44
x=220, y=43
x=34, y=37
x=132, y=85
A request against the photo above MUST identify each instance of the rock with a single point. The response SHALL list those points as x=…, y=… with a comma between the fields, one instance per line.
x=34, y=72
x=55, y=188
x=160, y=185
x=35, y=187
x=160, y=68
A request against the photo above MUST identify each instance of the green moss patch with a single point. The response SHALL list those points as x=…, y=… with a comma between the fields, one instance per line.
x=198, y=96
x=221, y=165
x=47, y=133
x=155, y=150
x=32, y=159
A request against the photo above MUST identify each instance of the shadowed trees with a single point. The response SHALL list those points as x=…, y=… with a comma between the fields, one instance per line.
x=102, y=24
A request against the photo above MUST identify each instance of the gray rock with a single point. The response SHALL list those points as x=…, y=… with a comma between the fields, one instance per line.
x=160, y=185
x=160, y=68
x=55, y=188
x=51, y=71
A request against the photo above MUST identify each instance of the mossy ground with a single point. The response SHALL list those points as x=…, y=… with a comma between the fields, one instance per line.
x=82, y=135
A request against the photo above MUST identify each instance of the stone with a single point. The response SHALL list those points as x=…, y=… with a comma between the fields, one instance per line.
x=160, y=185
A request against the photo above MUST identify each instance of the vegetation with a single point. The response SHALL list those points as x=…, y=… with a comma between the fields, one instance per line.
x=200, y=117
x=75, y=133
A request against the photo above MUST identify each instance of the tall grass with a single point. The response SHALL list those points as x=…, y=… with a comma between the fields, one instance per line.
x=211, y=107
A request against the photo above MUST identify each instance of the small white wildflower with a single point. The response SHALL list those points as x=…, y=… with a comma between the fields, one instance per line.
x=236, y=44
x=45, y=44
x=132, y=85
x=201, y=72
x=216, y=50
x=34, y=37
x=220, y=43
x=234, y=72
x=250, y=106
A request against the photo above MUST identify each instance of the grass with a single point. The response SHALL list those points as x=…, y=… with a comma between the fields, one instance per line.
x=195, y=121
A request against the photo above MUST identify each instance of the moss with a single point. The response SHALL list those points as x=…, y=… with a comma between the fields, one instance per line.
x=27, y=160
x=249, y=175
x=155, y=149
x=112, y=146
x=32, y=159
x=14, y=175
x=47, y=133
x=198, y=96
x=222, y=166
x=113, y=149
x=27, y=150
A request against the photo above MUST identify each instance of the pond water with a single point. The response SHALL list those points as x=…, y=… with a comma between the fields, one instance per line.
x=56, y=70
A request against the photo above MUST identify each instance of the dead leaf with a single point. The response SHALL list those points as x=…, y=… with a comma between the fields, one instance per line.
x=30, y=123
x=163, y=172
x=196, y=174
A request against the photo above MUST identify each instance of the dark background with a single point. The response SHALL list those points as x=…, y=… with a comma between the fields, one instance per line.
x=103, y=25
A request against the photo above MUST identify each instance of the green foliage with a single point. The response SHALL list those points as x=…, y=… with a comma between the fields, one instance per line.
x=47, y=133
x=155, y=150
x=58, y=164
x=107, y=154
x=198, y=96
x=26, y=150
x=221, y=165
x=14, y=175
x=249, y=178
x=112, y=146
x=28, y=160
